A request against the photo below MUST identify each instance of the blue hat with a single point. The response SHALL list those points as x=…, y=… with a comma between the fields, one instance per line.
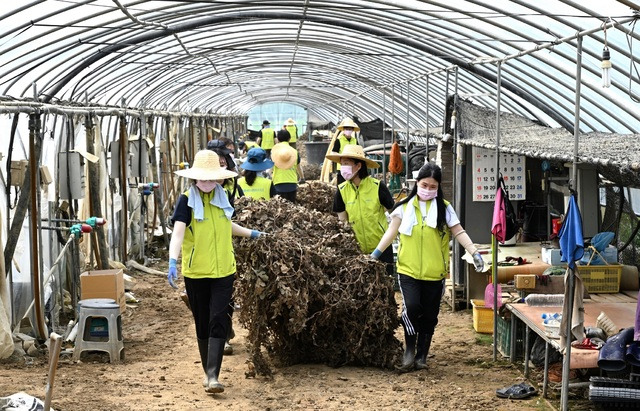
x=257, y=160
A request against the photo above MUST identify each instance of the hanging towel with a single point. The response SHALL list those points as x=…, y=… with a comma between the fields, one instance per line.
x=499, y=222
x=219, y=199
x=409, y=219
x=577, y=316
x=571, y=240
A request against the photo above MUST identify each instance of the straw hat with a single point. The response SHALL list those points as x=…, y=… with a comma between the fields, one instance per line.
x=257, y=160
x=206, y=166
x=355, y=152
x=284, y=156
x=289, y=122
x=347, y=122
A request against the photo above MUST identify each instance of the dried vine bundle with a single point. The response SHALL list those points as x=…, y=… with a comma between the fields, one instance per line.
x=317, y=195
x=307, y=294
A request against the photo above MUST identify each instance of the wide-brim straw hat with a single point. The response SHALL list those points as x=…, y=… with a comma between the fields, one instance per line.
x=257, y=160
x=206, y=166
x=284, y=156
x=290, y=122
x=347, y=122
x=354, y=152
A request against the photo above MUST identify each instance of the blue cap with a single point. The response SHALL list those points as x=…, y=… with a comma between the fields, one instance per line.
x=257, y=160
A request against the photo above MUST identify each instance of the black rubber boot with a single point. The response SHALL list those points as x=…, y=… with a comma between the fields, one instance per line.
x=424, y=343
x=203, y=347
x=214, y=362
x=409, y=353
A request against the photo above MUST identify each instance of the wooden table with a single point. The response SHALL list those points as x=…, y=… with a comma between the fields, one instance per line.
x=623, y=315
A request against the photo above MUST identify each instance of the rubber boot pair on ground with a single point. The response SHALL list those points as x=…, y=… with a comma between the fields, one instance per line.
x=211, y=353
x=415, y=352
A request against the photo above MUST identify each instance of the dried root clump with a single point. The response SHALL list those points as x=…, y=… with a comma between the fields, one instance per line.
x=317, y=195
x=307, y=293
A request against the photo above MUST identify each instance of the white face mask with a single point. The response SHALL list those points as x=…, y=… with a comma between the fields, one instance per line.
x=347, y=133
x=346, y=172
x=206, y=186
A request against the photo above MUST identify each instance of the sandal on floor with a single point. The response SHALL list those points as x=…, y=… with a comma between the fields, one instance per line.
x=516, y=391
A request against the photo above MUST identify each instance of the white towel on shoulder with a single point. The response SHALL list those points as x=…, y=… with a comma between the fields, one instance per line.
x=409, y=219
x=219, y=199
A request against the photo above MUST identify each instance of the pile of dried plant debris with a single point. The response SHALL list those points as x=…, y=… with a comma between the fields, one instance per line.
x=317, y=195
x=307, y=293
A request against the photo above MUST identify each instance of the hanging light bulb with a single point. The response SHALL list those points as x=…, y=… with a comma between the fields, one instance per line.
x=453, y=120
x=606, y=67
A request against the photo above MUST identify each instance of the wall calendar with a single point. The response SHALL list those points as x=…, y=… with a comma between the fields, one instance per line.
x=512, y=167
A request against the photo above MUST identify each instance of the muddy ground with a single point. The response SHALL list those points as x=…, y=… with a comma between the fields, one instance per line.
x=162, y=371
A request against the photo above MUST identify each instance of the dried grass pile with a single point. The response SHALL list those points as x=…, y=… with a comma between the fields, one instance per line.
x=317, y=195
x=307, y=294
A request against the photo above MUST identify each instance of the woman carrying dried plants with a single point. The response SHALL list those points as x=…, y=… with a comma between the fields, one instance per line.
x=425, y=221
x=202, y=231
x=362, y=200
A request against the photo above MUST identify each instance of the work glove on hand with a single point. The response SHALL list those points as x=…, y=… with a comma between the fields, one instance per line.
x=172, y=276
x=375, y=255
x=478, y=262
x=256, y=234
x=302, y=181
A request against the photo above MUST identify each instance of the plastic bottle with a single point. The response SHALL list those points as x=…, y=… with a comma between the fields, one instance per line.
x=551, y=316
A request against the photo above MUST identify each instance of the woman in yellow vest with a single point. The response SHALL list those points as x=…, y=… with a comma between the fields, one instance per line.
x=202, y=231
x=226, y=161
x=290, y=126
x=253, y=185
x=347, y=137
x=287, y=173
x=425, y=222
x=362, y=201
x=267, y=138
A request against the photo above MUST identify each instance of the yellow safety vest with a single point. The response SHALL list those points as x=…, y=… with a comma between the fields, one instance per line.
x=293, y=131
x=250, y=144
x=207, y=250
x=261, y=188
x=290, y=175
x=268, y=138
x=344, y=142
x=365, y=213
x=424, y=255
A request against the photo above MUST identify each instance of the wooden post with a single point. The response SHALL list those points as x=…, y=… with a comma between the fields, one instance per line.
x=124, y=150
x=98, y=239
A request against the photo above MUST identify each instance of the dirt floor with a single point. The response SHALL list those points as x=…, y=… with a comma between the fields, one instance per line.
x=162, y=371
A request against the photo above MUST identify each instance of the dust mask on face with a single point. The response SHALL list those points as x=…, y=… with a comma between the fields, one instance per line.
x=347, y=133
x=346, y=172
x=206, y=186
x=425, y=194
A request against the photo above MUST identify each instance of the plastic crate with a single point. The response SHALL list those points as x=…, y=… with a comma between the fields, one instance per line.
x=600, y=278
x=482, y=317
x=504, y=338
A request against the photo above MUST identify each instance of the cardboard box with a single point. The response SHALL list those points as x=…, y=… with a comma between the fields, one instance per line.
x=552, y=256
x=525, y=281
x=103, y=284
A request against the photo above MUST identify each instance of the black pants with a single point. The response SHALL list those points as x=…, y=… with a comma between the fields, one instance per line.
x=209, y=299
x=420, y=304
x=290, y=195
